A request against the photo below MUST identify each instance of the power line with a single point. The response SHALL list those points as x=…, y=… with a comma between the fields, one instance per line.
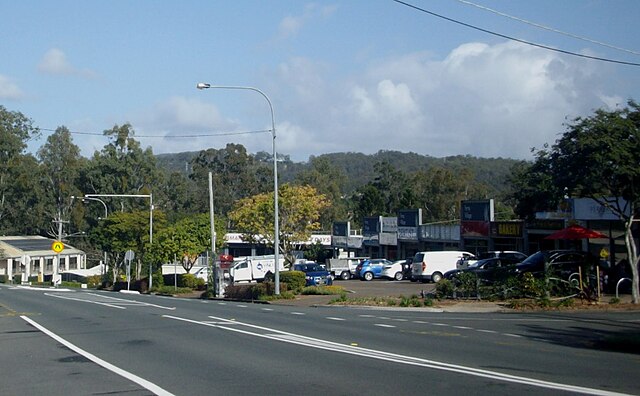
x=575, y=36
x=516, y=39
x=169, y=136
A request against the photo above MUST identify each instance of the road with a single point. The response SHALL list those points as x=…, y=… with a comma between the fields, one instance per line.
x=90, y=342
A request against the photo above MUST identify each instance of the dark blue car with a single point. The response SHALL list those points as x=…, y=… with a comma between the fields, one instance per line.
x=315, y=274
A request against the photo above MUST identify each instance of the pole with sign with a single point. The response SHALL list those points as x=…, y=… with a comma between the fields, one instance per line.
x=128, y=257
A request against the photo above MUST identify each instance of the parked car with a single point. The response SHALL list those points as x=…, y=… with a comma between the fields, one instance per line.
x=315, y=274
x=511, y=255
x=397, y=270
x=562, y=263
x=370, y=269
x=488, y=270
x=431, y=266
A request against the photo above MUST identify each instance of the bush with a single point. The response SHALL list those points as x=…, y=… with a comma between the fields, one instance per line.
x=3, y=278
x=94, y=281
x=444, y=288
x=322, y=290
x=295, y=280
x=172, y=290
x=190, y=281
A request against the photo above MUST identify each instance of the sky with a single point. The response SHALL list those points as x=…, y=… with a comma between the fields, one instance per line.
x=342, y=76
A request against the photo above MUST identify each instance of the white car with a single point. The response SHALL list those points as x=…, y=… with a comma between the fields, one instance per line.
x=394, y=270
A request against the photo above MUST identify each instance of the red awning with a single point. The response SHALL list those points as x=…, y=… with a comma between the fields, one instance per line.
x=576, y=232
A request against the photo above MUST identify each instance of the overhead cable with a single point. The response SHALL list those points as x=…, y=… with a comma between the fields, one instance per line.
x=516, y=39
x=575, y=36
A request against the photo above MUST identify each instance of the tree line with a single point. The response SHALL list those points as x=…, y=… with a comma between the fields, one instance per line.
x=595, y=157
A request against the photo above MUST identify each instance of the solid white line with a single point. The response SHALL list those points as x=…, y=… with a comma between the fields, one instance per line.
x=310, y=342
x=131, y=377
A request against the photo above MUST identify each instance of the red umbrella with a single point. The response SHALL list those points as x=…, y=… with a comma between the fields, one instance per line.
x=576, y=232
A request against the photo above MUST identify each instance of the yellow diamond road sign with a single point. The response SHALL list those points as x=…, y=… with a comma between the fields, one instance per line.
x=57, y=246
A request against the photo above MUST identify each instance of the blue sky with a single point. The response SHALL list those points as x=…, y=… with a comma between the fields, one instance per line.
x=343, y=76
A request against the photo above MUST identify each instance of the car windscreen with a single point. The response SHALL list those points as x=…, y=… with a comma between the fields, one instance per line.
x=535, y=259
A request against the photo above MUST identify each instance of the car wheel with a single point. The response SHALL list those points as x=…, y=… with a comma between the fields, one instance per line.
x=368, y=276
x=398, y=276
x=436, y=277
x=345, y=275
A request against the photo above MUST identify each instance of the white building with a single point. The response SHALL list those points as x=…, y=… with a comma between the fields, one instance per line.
x=32, y=257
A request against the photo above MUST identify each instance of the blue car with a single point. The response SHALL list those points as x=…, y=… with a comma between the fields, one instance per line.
x=372, y=268
x=315, y=274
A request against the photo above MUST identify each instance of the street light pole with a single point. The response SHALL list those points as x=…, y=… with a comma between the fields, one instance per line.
x=106, y=214
x=276, y=238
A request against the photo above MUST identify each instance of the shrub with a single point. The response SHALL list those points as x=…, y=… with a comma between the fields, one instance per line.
x=188, y=280
x=3, y=278
x=444, y=288
x=295, y=280
x=322, y=290
x=94, y=281
x=72, y=284
x=172, y=290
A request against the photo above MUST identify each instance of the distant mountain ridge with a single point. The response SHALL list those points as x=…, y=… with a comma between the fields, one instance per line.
x=359, y=167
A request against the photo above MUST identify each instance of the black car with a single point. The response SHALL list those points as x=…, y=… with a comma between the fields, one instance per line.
x=562, y=263
x=488, y=270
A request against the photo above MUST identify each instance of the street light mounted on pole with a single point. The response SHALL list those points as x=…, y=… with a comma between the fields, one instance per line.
x=276, y=241
x=106, y=214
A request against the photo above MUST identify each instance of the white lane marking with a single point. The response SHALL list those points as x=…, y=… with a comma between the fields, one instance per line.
x=440, y=324
x=462, y=327
x=130, y=376
x=383, y=325
x=114, y=301
x=310, y=342
x=487, y=331
x=298, y=313
x=241, y=306
x=334, y=318
x=400, y=320
x=222, y=303
x=367, y=316
x=512, y=335
x=420, y=322
x=267, y=309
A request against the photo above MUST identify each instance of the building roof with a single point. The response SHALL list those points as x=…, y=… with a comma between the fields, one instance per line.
x=34, y=245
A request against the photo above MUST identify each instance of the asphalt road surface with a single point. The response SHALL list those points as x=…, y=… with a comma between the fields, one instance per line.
x=55, y=342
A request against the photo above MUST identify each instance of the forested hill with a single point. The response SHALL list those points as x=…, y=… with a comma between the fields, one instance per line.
x=359, y=168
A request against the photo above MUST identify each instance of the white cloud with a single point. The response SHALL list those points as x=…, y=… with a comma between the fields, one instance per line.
x=9, y=90
x=55, y=62
x=484, y=100
x=292, y=24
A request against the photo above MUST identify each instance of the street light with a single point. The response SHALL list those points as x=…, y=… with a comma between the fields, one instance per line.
x=276, y=241
x=106, y=214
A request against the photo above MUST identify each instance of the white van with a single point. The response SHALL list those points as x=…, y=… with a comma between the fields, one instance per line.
x=430, y=266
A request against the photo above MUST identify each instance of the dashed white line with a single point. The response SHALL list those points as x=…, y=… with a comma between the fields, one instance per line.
x=512, y=335
x=383, y=325
x=267, y=309
x=487, y=331
x=334, y=318
x=298, y=313
x=462, y=327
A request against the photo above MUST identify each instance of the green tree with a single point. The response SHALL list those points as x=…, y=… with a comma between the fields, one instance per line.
x=597, y=157
x=15, y=131
x=331, y=180
x=532, y=188
x=235, y=175
x=123, y=231
x=187, y=239
x=300, y=208
x=61, y=164
x=122, y=167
